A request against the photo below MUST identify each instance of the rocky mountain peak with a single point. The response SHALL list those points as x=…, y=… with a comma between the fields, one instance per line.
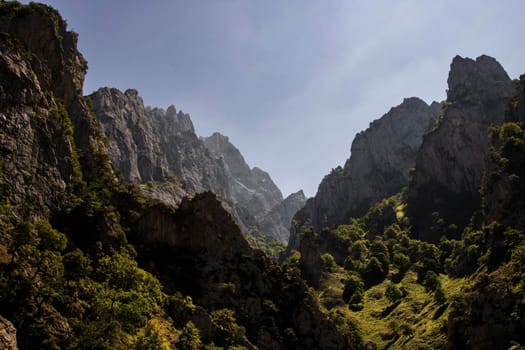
x=450, y=162
x=152, y=144
x=251, y=188
x=377, y=168
x=131, y=92
x=220, y=146
x=175, y=122
x=470, y=78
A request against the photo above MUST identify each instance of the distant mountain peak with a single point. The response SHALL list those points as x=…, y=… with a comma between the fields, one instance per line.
x=468, y=77
x=377, y=168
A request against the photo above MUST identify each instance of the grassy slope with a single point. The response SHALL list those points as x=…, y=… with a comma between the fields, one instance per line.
x=416, y=322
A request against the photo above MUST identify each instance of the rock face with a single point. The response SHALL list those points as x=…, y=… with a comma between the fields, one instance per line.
x=252, y=189
x=161, y=150
x=7, y=335
x=194, y=227
x=278, y=220
x=378, y=167
x=155, y=145
x=449, y=165
x=42, y=112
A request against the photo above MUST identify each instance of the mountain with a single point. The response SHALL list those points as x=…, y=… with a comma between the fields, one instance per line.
x=160, y=150
x=449, y=164
x=253, y=188
x=156, y=145
x=83, y=252
x=198, y=245
x=283, y=214
x=439, y=264
x=378, y=167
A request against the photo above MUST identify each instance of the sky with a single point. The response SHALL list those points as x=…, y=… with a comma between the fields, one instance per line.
x=289, y=82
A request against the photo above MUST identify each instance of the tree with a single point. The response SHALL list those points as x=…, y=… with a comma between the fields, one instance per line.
x=393, y=293
x=189, y=338
x=373, y=273
x=352, y=284
x=431, y=282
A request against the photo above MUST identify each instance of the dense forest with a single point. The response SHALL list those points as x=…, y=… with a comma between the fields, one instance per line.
x=90, y=260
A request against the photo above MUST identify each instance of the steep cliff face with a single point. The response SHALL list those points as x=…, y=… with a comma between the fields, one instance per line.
x=134, y=145
x=42, y=113
x=380, y=159
x=449, y=165
x=199, y=226
x=156, y=145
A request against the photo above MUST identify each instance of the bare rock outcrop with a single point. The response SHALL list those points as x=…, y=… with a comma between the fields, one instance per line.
x=250, y=188
x=44, y=120
x=449, y=165
x=7, y=335
x=155, y=145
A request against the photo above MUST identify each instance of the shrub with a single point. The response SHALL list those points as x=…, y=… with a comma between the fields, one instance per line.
x=189, y=339
x=373, y=273
x=393, y=293
x=431, y=282
x=328, y=262
x=352, y=284
x=402, y=262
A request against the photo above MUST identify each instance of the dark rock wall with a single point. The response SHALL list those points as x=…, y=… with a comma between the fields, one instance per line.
x=450, y=163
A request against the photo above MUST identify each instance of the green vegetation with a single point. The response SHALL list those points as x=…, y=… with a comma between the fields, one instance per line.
x=271, y=247
x=404, y=293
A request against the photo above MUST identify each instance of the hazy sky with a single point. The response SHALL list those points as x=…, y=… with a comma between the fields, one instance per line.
x=290, y=82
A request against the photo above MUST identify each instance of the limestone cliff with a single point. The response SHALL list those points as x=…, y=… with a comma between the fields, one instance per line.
x=42, y=113
x=155, y=145
x=255, y=192
x=449, y=165
x=378, y=167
